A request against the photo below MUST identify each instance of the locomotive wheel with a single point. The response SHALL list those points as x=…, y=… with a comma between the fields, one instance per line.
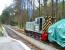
x=36, y=36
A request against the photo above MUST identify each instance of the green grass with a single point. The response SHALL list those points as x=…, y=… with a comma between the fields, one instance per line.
x=1, y=34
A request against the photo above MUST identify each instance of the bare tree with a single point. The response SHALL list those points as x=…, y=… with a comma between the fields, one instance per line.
x=63, y=9
x=45, y=6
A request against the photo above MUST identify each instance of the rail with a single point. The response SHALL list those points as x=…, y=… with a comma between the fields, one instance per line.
x=38, y=44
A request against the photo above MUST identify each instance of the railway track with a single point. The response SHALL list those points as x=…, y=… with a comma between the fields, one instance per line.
x=54, y=45
x=15, y=36
x=49, y=43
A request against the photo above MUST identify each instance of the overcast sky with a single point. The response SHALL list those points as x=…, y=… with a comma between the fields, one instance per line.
x=4, y=4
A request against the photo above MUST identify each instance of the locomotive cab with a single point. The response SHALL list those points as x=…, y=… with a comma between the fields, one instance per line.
x=38, y=24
